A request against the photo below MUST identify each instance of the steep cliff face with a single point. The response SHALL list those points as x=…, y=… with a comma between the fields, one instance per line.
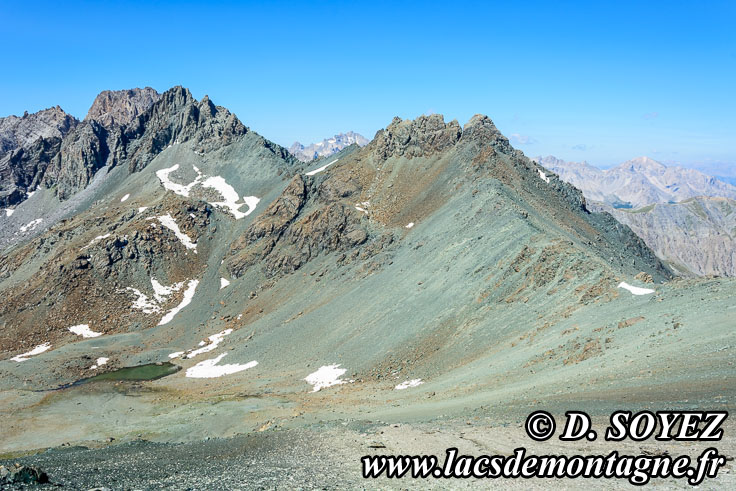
x=21, y=132
x=28, y=144
x=176, y=118
x=120, y=107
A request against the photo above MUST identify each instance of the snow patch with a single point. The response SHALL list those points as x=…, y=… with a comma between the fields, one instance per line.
x=223, y=283
x=361, y=209
x=635, y=290
x=317, y=171
x=99, y=362
x=182, y=190
x=229, y=195
x=31, y=225
x=188, y=295
x=215, y=340
x=9, y=212
x=143, y=302
x=408, y=384
x=161, y=292
x=122, y=200
x=409, y=225
x=95, y=240
x=169, y=222
x=84, y=331
x=176, y=354
x=543, y=176
x=142, y=209
x=326, y=376
x=35, y=351
x=210, y=369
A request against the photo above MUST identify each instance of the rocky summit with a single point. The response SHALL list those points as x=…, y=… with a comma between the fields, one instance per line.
x=179, y=289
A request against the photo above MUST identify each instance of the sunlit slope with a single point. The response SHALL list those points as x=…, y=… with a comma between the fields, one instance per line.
x=437, y=259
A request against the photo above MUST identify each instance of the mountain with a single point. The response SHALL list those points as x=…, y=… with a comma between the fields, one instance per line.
x=694, y=236
x=236, y=301
x=120, y=107
x=26, y=145
x=91, y=151
x=638, y=182
x=326, y=147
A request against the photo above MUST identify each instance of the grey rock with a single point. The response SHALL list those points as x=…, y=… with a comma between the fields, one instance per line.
x=21, y=132
x=21, y=474
x=120, y=107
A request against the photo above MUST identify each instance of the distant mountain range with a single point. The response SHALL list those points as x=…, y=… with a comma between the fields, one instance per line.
x=638, y=182
x=327, y=147
x=688, y=218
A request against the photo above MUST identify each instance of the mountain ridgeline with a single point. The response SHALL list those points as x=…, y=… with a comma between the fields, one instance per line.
x=435, y=265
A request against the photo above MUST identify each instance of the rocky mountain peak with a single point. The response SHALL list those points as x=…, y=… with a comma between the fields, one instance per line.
x=22, y=132
x=643, y=163
x=481, y=129
x=120, y=107
x=422, y=136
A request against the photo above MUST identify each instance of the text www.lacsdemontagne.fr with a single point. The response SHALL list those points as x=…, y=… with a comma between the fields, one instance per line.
x=637, y=469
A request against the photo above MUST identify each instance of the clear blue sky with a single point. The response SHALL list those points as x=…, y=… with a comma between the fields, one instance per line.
x=602, y=83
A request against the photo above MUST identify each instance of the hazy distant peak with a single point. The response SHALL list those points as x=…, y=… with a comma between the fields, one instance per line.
x=641, y=163
x=638, y=182
x=326, y=147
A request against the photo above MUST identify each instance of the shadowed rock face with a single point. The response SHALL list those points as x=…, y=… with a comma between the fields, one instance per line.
x=176, y=118
x=28, y=144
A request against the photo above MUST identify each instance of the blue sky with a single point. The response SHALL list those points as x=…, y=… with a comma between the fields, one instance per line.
x=603, y=83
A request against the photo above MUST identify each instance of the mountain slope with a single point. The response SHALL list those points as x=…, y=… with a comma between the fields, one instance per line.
x=92, y=151
x=27, y=144
x=437, y=258
x=326, y=147
x=697, y=236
